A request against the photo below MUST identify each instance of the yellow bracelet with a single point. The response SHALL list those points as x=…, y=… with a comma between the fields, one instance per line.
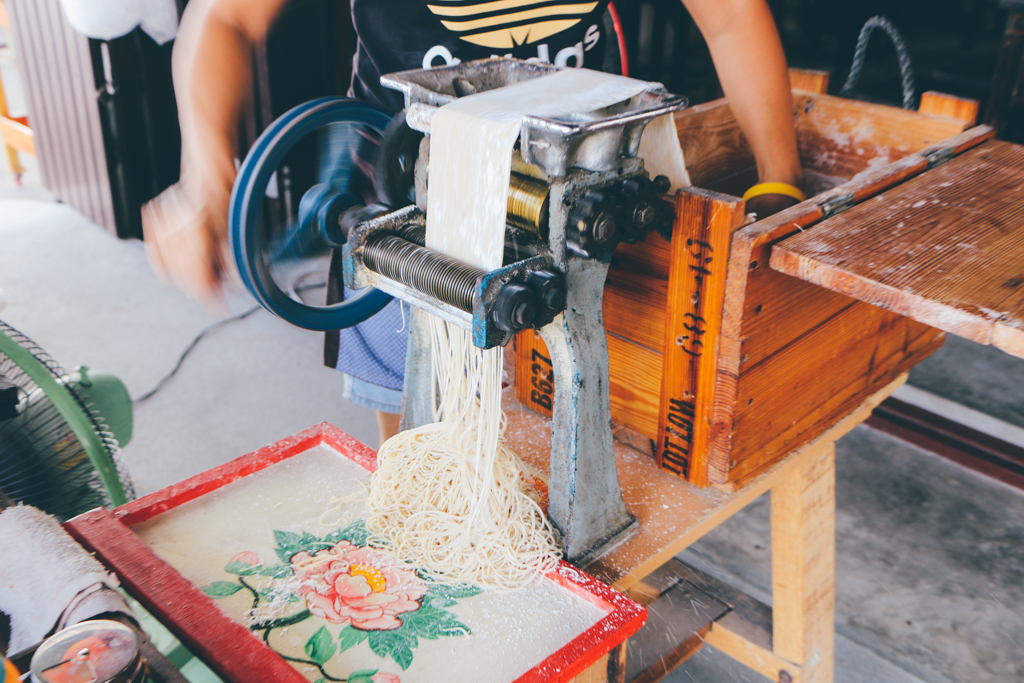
x=775, y=188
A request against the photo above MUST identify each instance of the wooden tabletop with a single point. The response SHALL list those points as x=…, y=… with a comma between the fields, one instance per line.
x=945, y=248
x=672, y=512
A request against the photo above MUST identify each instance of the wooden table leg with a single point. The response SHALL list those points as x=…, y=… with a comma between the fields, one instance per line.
x=803, y=509
x=609, y=669
x=595, y=673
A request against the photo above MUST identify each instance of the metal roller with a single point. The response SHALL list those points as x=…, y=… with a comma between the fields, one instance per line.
x=528, y=204
x=425, y=270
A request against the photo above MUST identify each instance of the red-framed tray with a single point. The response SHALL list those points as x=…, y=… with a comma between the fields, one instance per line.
x=232, y=650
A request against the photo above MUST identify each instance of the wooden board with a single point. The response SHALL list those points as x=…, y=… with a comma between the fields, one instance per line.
x=836, y=137
x=713, y=144
x=945, y=248
x=705, y=222
x=230, y=649
x=809, y=80
x=803, y=515
x=17, y=135
x=949, y=105
x=635, y=303
x=821, y=376
x=840, y=137
x=680, y=615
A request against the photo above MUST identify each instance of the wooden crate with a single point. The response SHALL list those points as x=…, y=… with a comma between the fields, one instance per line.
x=722, y=363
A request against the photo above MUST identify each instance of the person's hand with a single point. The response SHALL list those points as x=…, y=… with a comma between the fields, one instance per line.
x=767, y=204
x=186, y=234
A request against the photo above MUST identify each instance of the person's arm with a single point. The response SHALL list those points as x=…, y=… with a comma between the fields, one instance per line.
x=186, y=226
x=751, y=66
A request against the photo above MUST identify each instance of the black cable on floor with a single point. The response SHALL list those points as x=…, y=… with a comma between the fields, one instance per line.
x=184, y=355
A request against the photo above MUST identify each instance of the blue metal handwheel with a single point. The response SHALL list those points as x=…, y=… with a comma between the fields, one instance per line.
x=351, y=130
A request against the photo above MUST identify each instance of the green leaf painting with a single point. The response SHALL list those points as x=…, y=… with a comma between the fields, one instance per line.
x=362, y=676
x=221, y=589
x=350, y=637
x=320, y=647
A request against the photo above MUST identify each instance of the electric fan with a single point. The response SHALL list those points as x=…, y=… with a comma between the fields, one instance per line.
x=60, y=432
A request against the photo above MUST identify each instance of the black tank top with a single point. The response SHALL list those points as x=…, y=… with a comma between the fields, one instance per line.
x=395, y=35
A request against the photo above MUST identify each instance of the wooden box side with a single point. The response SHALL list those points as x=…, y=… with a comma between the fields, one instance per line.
x=837, y=138
x=842, y=138
x=635, y=312
x=635, y=385
x=705, y=222
x=816, y=377
x=663, y=368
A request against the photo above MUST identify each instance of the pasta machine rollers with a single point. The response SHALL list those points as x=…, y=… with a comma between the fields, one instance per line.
x=577, y=189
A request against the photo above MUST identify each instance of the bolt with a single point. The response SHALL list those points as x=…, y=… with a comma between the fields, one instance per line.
x=523, y=314
x=643, y=214
x=604, y=228
x=554, y=299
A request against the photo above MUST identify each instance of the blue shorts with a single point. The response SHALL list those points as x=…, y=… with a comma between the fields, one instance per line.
x=372, y=396
x=371, y=354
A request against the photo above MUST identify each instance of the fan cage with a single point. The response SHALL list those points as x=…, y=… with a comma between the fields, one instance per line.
x=14, y=373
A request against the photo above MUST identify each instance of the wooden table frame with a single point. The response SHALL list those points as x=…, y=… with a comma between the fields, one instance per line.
x=796, y=644
x=798, y=648
x=739, y=378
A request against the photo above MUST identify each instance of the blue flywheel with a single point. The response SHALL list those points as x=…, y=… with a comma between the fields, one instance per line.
x=274, y=261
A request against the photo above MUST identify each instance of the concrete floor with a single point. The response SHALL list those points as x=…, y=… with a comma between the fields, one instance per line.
x=930, y=557
x=929, y=567
x=979, y=377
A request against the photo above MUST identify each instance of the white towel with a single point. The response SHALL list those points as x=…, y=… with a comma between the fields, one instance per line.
x=47, y=580
x=109, y=19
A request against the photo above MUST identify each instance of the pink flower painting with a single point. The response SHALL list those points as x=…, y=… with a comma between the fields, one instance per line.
x=339, y=580
x=363, y=587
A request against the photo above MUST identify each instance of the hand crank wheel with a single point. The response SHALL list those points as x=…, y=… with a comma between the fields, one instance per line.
x=272, y=260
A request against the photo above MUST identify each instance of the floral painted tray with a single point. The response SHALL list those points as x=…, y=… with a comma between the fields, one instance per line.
x=252, y=569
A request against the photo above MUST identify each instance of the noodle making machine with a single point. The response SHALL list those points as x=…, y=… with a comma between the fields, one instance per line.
x=577, y=189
